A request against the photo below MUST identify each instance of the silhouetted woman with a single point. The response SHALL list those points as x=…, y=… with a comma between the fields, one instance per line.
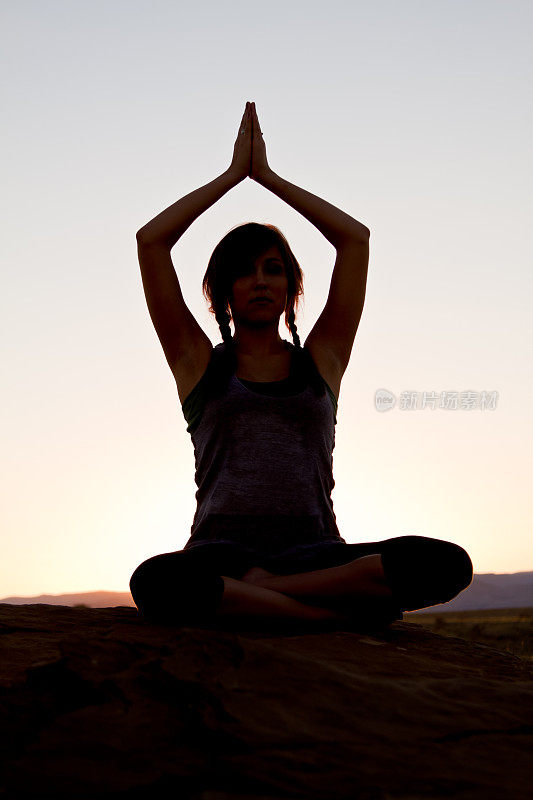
x=262, y=413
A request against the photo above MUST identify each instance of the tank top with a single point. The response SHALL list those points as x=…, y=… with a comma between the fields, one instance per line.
x=264, y=461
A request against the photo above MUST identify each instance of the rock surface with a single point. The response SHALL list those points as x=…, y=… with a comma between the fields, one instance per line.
x=100, y=703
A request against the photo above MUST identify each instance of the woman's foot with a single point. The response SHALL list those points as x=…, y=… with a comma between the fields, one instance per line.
x=256, y=574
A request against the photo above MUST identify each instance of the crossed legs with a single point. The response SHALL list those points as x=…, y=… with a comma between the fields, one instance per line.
x=320, y=594
x=372, y=579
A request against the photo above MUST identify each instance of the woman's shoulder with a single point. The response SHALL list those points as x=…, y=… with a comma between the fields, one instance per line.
x=316, y=375
x=193, y=404
x=325, y=365
x=213, y=359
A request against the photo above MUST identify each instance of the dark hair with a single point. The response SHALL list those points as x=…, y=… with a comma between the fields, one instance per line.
x=232, y=257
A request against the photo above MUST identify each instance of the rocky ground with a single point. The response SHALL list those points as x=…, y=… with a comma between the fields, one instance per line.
x=96, y=702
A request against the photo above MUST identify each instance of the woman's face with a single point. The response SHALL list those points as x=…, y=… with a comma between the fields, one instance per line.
x=267, y=278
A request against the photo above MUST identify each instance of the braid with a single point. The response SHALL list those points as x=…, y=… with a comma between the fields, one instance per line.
x=223, y=320
x=228, y=365
x=292, y=326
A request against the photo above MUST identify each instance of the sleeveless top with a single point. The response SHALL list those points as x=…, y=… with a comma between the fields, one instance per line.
x=264, y=460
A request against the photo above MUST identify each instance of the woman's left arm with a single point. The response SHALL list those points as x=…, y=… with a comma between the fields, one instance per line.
x=338, y=228
x=331, y=339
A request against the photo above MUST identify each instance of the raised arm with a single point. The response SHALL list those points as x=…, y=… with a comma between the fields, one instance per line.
x=186, y=346
x=331, y=339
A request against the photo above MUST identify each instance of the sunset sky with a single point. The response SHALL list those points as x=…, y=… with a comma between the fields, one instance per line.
x=415, y=118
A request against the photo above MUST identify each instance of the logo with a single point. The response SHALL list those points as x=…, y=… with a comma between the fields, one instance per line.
x=384, y=400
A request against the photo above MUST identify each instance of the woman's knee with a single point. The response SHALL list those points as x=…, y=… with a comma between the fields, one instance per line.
x=174, y=587
x=424, y=572
x=143, y=581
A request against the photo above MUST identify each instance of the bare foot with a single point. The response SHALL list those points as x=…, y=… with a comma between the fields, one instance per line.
x=255, y=575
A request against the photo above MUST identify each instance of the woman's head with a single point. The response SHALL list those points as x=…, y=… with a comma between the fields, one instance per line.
x=234, y=258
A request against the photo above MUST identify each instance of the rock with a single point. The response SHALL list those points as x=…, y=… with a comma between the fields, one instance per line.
x=100, y=703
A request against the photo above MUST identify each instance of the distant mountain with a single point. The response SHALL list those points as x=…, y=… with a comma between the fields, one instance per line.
x=488, y=590
x=89, y=599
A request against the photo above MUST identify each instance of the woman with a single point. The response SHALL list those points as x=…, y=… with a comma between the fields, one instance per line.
x=262, y=412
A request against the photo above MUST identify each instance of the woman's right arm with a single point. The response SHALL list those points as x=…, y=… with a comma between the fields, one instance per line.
x=187, y=348
x=170, y=224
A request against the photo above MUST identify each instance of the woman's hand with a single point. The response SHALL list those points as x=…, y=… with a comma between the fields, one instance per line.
x=259, y=167
x=242, y=152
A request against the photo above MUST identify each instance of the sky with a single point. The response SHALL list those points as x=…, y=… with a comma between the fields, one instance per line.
x=415, y=118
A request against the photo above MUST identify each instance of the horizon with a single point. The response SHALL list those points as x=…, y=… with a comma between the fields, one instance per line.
x=126, y=591
x=413, y=119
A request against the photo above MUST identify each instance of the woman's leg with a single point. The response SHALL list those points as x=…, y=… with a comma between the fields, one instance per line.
x=186, y=585
x=424, y=572
x=241, y=599
x=361, y=576
x=415, y=571
x=196, y=585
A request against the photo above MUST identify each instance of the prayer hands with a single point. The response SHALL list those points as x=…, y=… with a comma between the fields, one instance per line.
x=259, y=165
x=242, y=152
x=249, y=152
